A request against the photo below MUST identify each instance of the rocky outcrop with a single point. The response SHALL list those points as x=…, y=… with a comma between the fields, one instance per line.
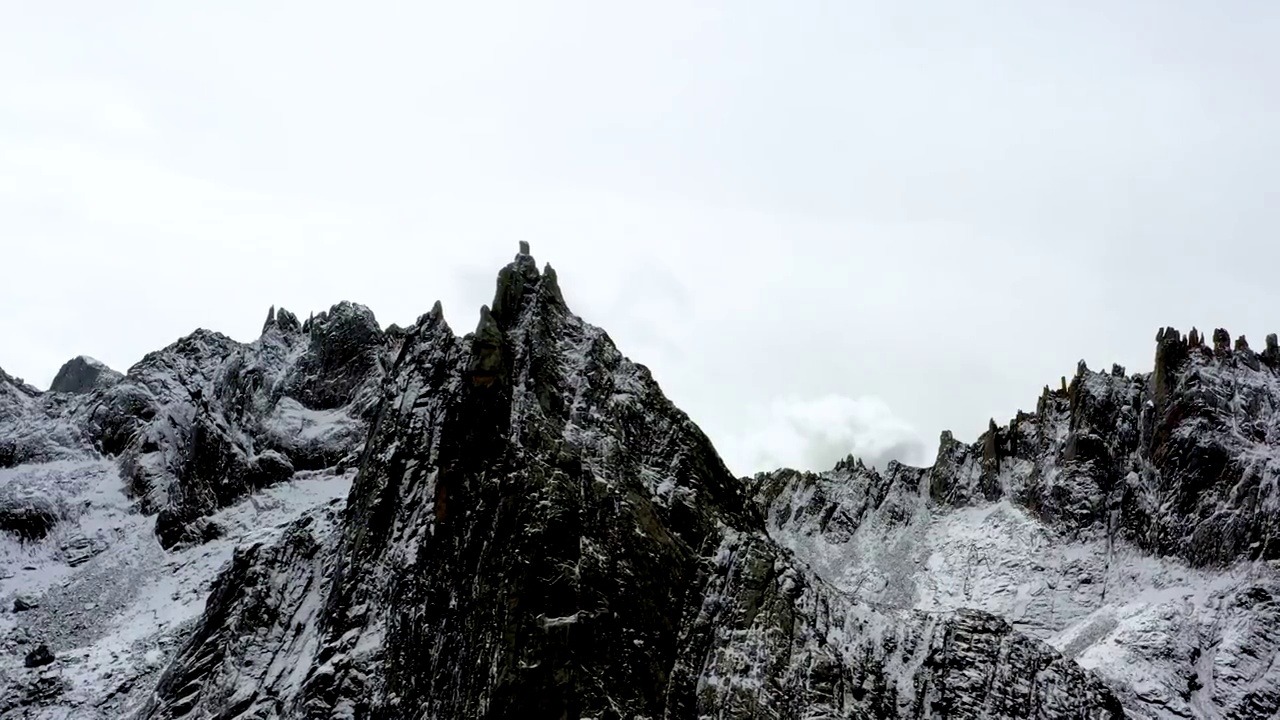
x=26, y=518
x=344, y=347
x=1181, y=460
x=40, y=656
x=33, y=426
x=208, y=420
x=254, y=611
x=83, y=374
x=535, y=531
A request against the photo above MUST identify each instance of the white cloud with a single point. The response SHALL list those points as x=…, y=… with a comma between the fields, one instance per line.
x=814, y=433
x=80, y=106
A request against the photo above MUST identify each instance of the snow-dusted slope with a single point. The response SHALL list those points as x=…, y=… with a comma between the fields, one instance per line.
x=1130, y=521
x=200, y=446
x=109, y=603
x=207, y=420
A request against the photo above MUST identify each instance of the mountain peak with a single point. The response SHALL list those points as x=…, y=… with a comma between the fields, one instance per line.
x=516, y=282
x=83, y=374
x=282, y=320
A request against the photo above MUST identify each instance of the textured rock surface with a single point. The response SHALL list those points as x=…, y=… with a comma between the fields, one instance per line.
x=208, y=420
x=1130, y=520
x=34, y=426
x=83, y=374
x=1181, y=461
x=535, y=531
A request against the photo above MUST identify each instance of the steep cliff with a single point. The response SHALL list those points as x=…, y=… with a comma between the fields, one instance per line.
x=536, y=531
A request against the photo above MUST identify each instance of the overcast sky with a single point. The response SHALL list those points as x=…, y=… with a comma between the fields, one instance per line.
x=825, y=226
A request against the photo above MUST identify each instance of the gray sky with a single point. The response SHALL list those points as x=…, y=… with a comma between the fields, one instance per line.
x=825, y=226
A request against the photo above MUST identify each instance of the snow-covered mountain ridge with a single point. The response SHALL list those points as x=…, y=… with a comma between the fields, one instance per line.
x=531, y=529
x=1131, y=521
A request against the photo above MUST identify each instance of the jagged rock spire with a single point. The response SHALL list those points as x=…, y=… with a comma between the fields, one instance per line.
x=487, y=366
x=551, y=285
x=1221, y=342
x=1271, y=355
x=281, y=319
x=287, y=321
x=515, y=282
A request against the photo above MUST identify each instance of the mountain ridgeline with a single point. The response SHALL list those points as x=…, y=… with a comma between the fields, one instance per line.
x=535, y=531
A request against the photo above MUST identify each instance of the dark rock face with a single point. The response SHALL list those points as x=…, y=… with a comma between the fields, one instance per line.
x=536, y=532
x=344, y=347
x=38, y=657
x=27, y=518
x=82, y=375
x=255, y=607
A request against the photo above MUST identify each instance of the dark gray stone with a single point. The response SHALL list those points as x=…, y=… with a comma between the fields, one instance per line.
x=39, y=657
x=82, y=375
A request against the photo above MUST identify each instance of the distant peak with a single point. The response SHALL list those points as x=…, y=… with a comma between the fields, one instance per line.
x=1173, y=348
x=343, y=314
x=82, y=374
x=281, y=319
x=850, y=463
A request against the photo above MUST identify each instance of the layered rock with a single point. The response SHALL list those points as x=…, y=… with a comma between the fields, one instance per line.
x=536, y=531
